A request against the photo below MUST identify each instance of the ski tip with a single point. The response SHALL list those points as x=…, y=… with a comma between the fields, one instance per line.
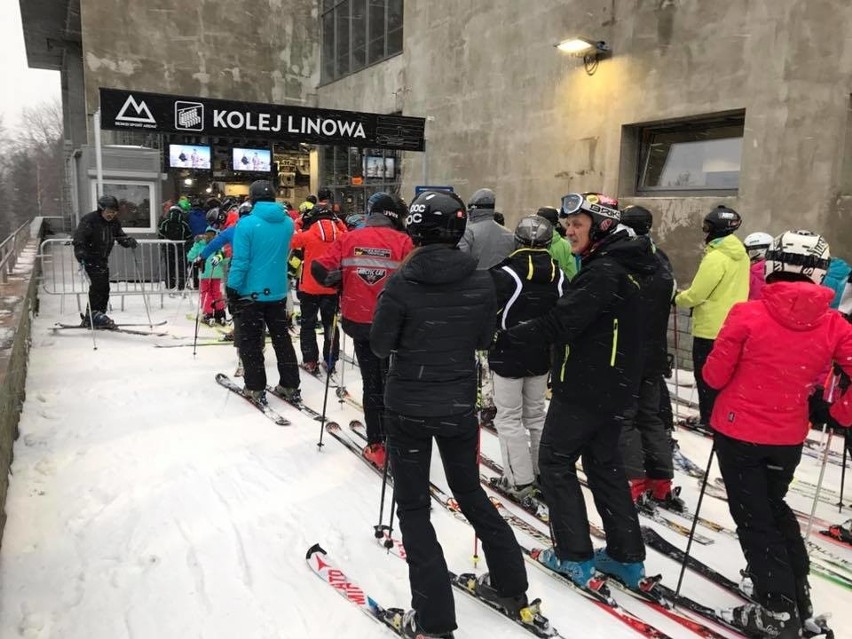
x=355, y=423
x=313, y=550
x=221, y=376
x=332, y=426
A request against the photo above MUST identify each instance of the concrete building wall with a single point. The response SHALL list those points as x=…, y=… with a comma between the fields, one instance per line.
x=254, y=50
x=512, y=113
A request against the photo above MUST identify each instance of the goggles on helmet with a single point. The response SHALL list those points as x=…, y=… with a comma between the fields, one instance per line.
x=576, y=203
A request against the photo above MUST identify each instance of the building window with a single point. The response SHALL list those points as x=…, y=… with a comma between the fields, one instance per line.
x=358, y=33
x=134, y=203
x=355, y=174
x=701, y=154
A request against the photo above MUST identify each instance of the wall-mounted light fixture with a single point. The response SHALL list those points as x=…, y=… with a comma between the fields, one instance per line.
x=187, y=181
x=586, y=48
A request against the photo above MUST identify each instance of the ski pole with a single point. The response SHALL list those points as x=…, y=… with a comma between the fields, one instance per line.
x=142, y=286
x=327, y=379
x=677, y=386
x=380, y=528
x=825, y=430
x=89, y=308
x=341, y=390
x=197, y=317
x=694, y=523
x=478, y=461
x=842, y=478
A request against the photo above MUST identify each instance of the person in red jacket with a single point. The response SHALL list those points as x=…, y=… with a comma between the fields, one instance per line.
x=319, y=231
x=361, y=263
x=767, y=359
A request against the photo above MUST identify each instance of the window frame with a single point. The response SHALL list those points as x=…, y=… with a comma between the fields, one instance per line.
x=643, y=139
x=153, y=215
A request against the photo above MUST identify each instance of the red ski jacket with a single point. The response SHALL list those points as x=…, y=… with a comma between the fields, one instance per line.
x=363, y=260
x=315, y=241
x=768, y=358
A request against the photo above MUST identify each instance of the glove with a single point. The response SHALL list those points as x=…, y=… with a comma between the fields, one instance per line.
x=199, y=264
x=131, y=243
x=818, y=408
x=233, y=298
x=216, y=259
x=501, y=340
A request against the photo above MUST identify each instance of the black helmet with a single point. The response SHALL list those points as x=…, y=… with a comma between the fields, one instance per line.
x=311, y=198
x=107, y=202
x=605, y=217
x=720, y=222
x=482, y=199
x=436, y=217
x=324, y=194
x=391, y=206
x=533, y=232
x=213, y=216
x=499, y=218
x=638, y=218
x=373, y=198
x=212, y=203
x=227, y=203
x=261, y=191
x=550, y=214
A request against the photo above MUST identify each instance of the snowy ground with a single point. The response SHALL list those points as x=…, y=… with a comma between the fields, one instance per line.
x=148, y=502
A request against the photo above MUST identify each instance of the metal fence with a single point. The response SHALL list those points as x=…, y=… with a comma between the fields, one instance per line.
x=11, y=247
x=155, y=267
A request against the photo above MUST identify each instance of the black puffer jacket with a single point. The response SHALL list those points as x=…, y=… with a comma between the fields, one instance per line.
x=597, y=327
x=657, y=304
x=95, y=237
x=432, y=316
x=528, y=283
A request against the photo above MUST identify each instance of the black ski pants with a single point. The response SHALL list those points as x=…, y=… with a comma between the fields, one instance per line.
x=757, y=477
x=410, y=449
x=253, y=317
x=325, y=306
x=174, y=256
x=373, y=373
x=706, y=395
x=646, y=444
x=666, y=413
x=98, y=273
x=569, y=433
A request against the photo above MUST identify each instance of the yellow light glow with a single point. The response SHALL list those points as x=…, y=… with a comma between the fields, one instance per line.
x=576, y=46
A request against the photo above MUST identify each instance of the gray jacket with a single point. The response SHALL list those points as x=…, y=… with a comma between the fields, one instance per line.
x=488, y=242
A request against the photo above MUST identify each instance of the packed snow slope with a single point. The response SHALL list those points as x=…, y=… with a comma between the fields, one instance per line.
x=146, y=501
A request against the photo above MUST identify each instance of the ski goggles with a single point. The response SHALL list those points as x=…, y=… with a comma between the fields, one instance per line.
x=574, y=203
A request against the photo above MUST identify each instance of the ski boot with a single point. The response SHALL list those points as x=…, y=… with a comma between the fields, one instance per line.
x=817, y=627
x=375, y=454
x=518, y=608
x=756, y=621
x=665, y=496
x=329, y=370
x=487, y=415
x=638, y=487
x=102, y=321
x=631, y=574
x=581, y=573
x=311, y=367
x=289, y=394
x=219, y=318
x=842, y=532
x=256, y=396
x=410, y=628
x=522, y=493
x=208, y=319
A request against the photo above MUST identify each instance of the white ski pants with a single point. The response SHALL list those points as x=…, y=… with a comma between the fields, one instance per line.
x=519, y=422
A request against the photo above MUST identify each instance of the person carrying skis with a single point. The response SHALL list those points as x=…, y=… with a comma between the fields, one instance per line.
x=761, y=421
x=360, y=262
x=756, y=245
x=597, y=330
x=721, y=281
x=432, y=316
x=646, y=443
x=320, y=229
x=528, y=283
x=94, y=238
x=257, y=286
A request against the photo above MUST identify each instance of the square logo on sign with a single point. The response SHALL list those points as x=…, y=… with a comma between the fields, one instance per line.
x=189, y=116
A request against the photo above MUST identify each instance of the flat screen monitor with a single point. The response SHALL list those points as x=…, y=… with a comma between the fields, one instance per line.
x=252, y=160
x=378, y=167
x=189, y=156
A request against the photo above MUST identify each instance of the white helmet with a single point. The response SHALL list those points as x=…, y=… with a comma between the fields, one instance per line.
x=756, y=245
x=800, y=253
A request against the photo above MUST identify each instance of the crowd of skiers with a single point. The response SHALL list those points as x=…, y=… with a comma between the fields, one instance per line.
x=456, y=320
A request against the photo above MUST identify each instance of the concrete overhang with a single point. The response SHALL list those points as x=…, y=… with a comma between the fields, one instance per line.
x=49, y=27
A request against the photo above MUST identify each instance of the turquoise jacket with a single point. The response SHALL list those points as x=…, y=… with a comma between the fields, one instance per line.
x=210, y=272
x=836, y=279
x=261, y=246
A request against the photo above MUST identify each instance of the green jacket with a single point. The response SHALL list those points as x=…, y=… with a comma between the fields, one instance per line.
x=210, y=272
x=560, y=251
x=721, y=281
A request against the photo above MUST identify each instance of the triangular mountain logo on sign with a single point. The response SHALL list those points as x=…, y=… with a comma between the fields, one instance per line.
x=141, y=113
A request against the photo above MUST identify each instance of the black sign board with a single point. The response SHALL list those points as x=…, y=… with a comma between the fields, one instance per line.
x=161, y=113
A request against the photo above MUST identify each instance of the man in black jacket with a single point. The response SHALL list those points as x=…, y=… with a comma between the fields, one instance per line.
x=646, y=443
x=528, y=283
x=175, y=227
x=94, y=238
x=596, y=327
x=432, y=316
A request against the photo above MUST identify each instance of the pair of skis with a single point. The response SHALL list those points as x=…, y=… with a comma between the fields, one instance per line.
x=262, y=406
x=127, y=329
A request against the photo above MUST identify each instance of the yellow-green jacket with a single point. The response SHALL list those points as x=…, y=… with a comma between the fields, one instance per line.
x=560, y=251
x=721, y=282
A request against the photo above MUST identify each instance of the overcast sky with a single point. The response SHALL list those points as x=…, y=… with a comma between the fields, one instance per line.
x=21, y=86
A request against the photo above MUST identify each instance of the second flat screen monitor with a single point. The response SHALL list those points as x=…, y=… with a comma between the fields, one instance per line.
x=252, y=160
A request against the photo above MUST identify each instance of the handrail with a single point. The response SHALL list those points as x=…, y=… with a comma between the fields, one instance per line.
x=11, y=247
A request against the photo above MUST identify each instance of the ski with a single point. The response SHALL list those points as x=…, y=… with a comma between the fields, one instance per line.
x=307, y=410
x=121, y=325
x=219, y=328
x=684, y=463
x=334, y=429
x=116, y=329
x=201, y=342
x=835, y=534
x=323, y=568
x=345, y=396
x=226, y=382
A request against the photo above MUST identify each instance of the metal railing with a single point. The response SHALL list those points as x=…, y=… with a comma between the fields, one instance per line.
x=11, y=248
x=155, y=267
